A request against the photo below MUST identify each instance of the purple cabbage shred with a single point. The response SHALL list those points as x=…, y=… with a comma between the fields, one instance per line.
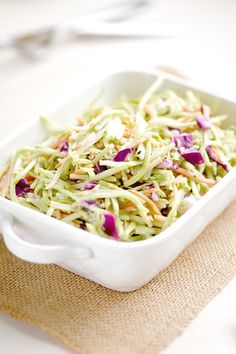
x=193, y=156
x=109, y=226
x=99, y=168
x=64, y=147
x=22, y=187
x=90, y=185
x=167, y=164
x=183, y=140
x=213, y=155
x=88, y=204
x=122, y=154
x=203, y=121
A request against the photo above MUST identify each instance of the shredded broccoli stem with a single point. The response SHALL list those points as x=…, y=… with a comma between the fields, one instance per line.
x=139, y=174
x=123, y=161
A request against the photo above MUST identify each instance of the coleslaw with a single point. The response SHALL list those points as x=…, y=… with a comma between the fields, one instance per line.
x=126, y=171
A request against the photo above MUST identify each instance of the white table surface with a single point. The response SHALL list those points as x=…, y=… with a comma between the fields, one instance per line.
x=206, y=52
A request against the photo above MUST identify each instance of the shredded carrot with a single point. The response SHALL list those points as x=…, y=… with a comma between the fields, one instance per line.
x=194, y=177
x=98, y=145
x=151, y=205
x=91, y=156
x=128, y=206
x=58, y=214
x=127, y=133
x=29, y=178
x=78, y=171
x=5, y=182
x=117, y=146
x=59, y=141
x=149, y=190
x=58, y=165
x=80, y=121
x=150, y=110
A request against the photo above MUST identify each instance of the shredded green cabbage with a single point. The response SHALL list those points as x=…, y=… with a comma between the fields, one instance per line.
x=77, y=176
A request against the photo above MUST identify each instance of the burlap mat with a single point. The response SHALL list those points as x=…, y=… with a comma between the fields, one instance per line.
x=90, y=319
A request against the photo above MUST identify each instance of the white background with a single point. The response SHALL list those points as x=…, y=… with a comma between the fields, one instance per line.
x=206, y=52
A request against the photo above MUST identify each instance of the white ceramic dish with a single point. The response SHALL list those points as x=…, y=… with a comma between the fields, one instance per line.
x=38, y=238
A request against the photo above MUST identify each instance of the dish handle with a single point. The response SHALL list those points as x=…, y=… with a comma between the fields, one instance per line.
x=43, y=254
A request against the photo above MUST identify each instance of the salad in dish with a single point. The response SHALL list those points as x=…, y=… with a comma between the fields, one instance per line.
x=127, y=171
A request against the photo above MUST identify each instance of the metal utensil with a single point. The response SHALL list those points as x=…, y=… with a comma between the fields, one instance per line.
x=104, y=22
x=34, y=44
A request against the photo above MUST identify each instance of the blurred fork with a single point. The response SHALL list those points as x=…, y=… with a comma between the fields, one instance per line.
x=34, y=44
x=102, y=22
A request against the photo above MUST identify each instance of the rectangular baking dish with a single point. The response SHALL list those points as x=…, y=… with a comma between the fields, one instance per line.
x=120, y=266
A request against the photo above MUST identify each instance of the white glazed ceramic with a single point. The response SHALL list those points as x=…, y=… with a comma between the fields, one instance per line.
x=120, y=266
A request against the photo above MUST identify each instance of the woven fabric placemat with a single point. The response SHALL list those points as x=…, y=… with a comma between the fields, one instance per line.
x=90, y=319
